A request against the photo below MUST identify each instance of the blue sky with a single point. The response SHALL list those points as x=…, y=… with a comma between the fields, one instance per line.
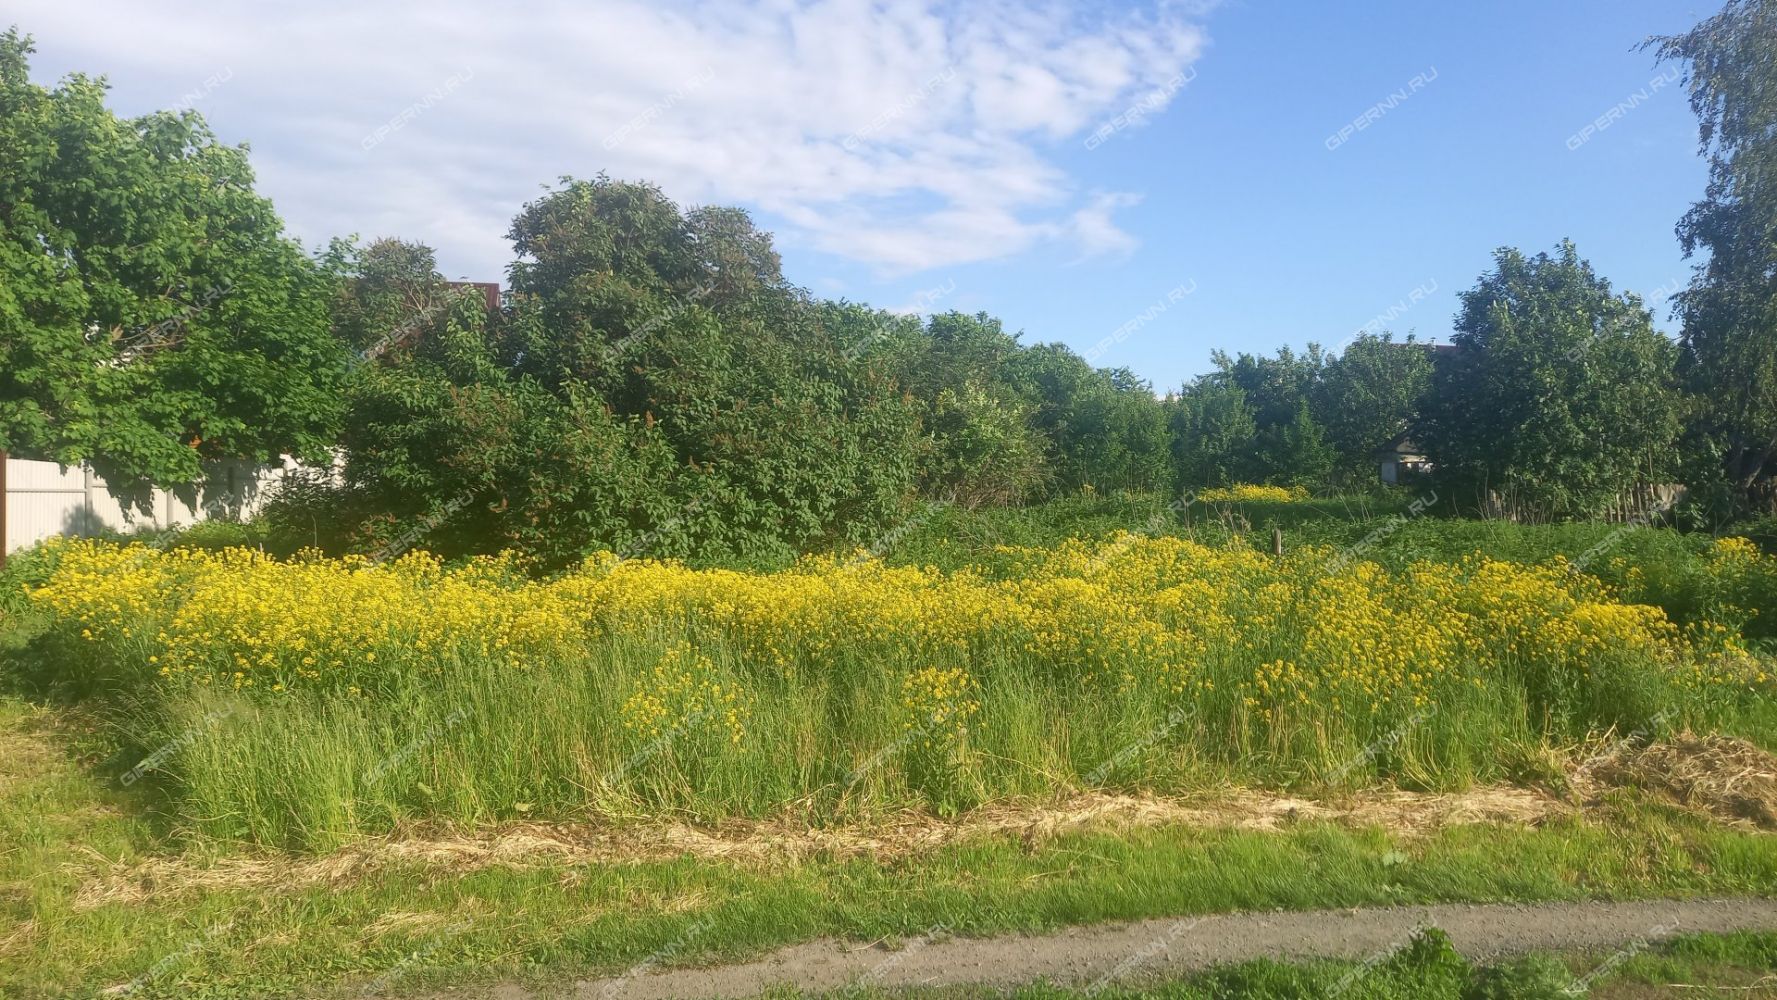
x=1142, y=181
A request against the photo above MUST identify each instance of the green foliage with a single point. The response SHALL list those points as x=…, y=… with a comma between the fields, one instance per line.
x=1730, y=310
x=654, y=387
x=1251, y=421
x=26, y=568
x=1103, y=428
x=684, y=329
x=446, y=448
x=1293, y=453
x=155, y=314
x=981, y=445
x=1558, y=396
x=1533, y=977
x=1687, y=575
x=1212, y=434
x=217, y=535
x=982, y=450
x=394, y=294
x=1369, y=394
x=654, y=383
x=549, y=922
x=1274, y=386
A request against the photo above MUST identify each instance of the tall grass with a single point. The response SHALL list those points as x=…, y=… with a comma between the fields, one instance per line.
x=478, y=746
x=304, y=704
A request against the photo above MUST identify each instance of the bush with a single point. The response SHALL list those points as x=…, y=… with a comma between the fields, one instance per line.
x=217, y=535
x=26, y=569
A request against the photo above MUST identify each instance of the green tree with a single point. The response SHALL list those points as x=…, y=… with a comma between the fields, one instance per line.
x=1102, y=428
x=449, y=449
x=1293, y=453
x=1559, y=394
x=153, y=314
x=684, y=322
x=982, y=446
x=1367, y=395
x=982, y=450
x=1274, y=386
x=651, y=386
x=390, y=293
x=1212, y=434
x=1729, y=313
x=1287, y=444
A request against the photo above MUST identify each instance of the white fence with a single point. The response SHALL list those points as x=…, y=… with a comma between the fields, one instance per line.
x=44, y=499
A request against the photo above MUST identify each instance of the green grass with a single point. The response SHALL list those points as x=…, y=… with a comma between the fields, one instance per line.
x=544, y=924
x=1706, y=965
x=483, y=748
x=314, y=770
x=1143, y=666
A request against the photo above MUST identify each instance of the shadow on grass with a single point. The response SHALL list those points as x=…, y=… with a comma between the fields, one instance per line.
x=97, y=726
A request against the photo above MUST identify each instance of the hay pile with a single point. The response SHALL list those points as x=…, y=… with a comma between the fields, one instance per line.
x=1728, y=778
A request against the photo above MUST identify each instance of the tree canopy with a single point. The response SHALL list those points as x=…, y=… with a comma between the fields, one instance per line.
x=154, y=313
x=1558, y=395
x=1729, y=312
x=653, y=384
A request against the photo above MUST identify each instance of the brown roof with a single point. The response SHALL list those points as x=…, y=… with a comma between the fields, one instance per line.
x=489, y=289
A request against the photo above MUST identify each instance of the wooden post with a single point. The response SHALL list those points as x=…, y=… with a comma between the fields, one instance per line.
x=1277, y=542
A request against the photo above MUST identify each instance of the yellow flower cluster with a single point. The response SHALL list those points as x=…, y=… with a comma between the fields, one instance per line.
x=1740, y=580
x=1253, y=493
x=685, y=695
x=1719, y=597
x=239, y=619
x=940, y=702
x=1737, y=551
x=1135, y=613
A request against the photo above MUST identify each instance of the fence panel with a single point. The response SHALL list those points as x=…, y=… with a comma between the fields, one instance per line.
x=43, y=499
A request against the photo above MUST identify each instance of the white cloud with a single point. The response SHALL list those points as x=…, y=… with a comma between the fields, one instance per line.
x=1094, y=229
x=906, y=136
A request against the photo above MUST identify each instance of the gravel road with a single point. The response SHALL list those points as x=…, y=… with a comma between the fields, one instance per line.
x=1086, y=956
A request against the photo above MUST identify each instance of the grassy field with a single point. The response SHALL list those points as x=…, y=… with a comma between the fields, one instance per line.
x=182, y=934
x=180, y=718
x=302, y=704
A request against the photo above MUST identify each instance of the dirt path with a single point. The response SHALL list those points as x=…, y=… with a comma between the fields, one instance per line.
x=1083, y=957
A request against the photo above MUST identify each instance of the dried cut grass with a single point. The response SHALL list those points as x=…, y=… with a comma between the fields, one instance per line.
x=787, y=841
x=1727, y=778
x=405, y=924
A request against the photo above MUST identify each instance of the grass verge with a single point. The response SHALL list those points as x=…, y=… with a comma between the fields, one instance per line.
x=406, y=929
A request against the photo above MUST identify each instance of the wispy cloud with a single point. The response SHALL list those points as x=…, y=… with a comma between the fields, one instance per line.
x=904, y=136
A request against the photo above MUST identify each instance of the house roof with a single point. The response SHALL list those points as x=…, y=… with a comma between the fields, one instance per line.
x=490, y=290
x=1400, y=444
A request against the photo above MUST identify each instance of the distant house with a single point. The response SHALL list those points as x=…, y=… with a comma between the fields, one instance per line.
x=1401, y=459
x=490, y=290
